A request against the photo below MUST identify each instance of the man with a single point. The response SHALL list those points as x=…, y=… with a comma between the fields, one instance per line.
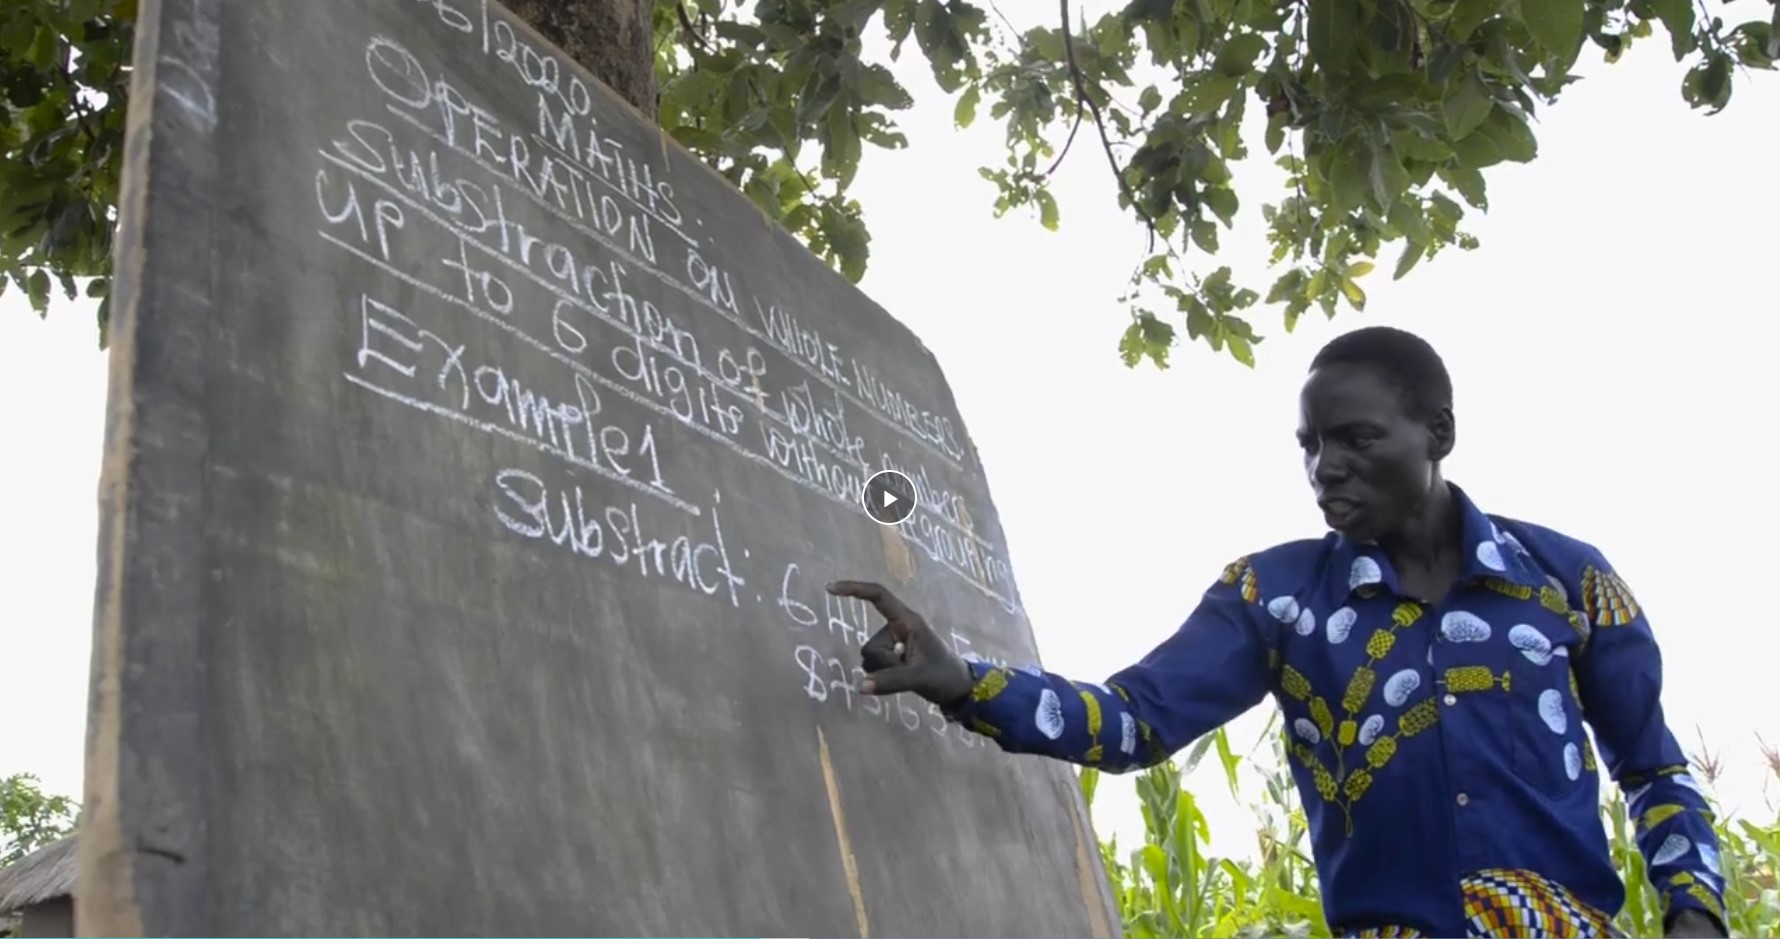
x=1434, y=666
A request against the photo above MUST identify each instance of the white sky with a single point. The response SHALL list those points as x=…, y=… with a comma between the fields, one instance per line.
x=1611, y=344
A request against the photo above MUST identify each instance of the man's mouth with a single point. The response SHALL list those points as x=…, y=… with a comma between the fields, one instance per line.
x=1338, y=510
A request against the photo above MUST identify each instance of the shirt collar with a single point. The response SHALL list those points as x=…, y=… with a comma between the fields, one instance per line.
x=1490, y=552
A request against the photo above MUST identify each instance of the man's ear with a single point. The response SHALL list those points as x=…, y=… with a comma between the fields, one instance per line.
x=1443, y=433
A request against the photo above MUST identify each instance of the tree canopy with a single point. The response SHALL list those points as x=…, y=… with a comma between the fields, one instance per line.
x=30, y=818
x=1383, y=116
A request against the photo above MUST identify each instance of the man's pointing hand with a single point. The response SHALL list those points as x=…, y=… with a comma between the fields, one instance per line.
x=906, y=655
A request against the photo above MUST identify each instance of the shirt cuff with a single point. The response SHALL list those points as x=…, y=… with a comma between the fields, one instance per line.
x=1689, y=892
x=977, y=710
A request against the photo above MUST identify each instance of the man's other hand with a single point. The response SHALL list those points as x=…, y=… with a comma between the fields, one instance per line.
x=1691, y=924
x=906, y=655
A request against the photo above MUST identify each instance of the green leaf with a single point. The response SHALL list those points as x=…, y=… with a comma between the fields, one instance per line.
x=966, y=110
x=1146, y=337
x=1677, y=19
x=1334, y=31
x=1237, y=57
x=1466, y=106
x=1048, y=215
x=1204, y=94
x=1354, y=294
x=37, y=287
x=1556, y=25
x=1412, y=253
x=1467, y=15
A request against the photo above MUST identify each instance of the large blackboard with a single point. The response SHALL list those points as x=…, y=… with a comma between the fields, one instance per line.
x=474, y=462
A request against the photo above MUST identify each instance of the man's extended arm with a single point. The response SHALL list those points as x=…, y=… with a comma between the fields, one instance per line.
x=1213, y=668
x=1619, y=674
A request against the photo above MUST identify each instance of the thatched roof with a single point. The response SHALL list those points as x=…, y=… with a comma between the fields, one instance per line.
x=45, y=874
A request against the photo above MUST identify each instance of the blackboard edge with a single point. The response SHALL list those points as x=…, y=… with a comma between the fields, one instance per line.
x=142, y=851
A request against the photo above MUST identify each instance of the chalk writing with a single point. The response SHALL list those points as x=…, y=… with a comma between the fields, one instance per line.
x=544, y=282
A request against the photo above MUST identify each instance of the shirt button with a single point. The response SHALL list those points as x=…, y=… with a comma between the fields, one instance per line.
x=1463, y=799
x=1451, y=700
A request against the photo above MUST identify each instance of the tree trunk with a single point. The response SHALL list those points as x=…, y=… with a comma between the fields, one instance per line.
x=613, y=39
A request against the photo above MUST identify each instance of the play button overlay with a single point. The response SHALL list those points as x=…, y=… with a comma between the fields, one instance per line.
x=889, y=497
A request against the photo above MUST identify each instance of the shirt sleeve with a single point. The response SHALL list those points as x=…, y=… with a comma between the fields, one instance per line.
x=1619, y=675
x=1217, y=665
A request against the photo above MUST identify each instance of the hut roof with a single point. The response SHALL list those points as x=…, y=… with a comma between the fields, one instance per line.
x=45, y=874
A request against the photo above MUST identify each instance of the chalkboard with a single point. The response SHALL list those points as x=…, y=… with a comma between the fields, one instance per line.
x=475, y=459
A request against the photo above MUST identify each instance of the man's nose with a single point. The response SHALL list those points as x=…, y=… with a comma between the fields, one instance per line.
x=1329, y=466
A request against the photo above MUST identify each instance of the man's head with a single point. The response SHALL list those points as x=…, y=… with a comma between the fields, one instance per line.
x=1375, y=420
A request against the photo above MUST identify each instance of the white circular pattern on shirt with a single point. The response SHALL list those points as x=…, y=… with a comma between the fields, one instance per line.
x=1531, y=642
x=1490, y=556
x=1049, y=715
x=1340, y=623
x=1400, y=686
x=1365, y=571
x=1561, y=652
x=1308, y=731
x=1460, y=626
x=1687, y=781
x=1127, y=733
x=1370, y=730
x=1284, y=609
x=1033, y=670
x=1671, y=851
x=1709, y=857
x=1512, y=542
x=1551, y=711
x=1636, y=796
x=1306, y=622
x=1572, y=761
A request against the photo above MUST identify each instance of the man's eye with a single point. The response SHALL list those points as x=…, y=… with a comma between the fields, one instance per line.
x=1361, y=439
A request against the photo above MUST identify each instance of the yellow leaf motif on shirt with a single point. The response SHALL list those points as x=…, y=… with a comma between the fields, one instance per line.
x=1293, y=683
x=1357, y=783
x=1381, y=643
x=1093, y=705
x=1575, y=689
x=1241, y=572
x=1349, y=730
x=1094, y=754
x=1707, y=899
x=1381, y=752
x=1319, y=712
x=1606, y=599
x=994, y=682
x=1358, y=688
x=1657, y=815
x=1418, y=718
x=1552, y=599
x=1588, y=755
x=1325, y=783
x=1508, y=588
x=984, y=727
x=1464, y=679
x=1406, y=613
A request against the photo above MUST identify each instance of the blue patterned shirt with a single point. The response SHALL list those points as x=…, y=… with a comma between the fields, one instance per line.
x=1450, y=786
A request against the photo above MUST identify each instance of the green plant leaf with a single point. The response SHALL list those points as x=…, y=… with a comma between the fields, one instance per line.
x=1556, y=25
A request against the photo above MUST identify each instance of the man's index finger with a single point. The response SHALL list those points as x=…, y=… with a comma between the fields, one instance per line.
x=876, y=594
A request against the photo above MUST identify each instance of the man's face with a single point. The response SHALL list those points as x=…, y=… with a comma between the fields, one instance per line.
x=1369, y=462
